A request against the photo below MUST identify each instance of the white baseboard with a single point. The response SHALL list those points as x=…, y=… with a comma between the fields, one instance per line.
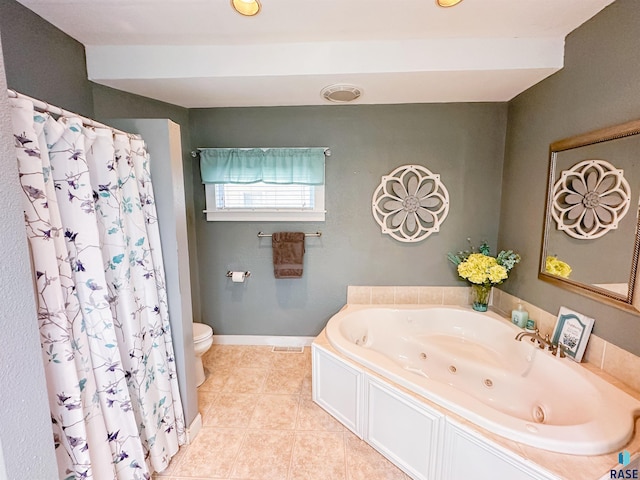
x=194, y=428
x=283, y=341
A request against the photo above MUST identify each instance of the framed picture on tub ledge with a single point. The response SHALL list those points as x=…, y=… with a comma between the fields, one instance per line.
x=572, y=330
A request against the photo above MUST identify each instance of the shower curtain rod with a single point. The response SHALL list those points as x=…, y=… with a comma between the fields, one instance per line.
x=45, y=107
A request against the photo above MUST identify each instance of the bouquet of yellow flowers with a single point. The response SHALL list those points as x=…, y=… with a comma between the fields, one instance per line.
x=479, y=268
x=483, y=271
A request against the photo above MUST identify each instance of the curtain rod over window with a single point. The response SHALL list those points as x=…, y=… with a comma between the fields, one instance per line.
x=45, y=107
x=327, y=150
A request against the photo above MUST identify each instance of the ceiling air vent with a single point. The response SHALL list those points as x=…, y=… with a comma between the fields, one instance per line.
x=340, y=93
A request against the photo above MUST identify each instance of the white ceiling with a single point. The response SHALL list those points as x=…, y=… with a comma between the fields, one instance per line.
x=200, y=53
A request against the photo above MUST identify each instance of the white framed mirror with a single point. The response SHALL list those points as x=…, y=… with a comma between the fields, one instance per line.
x=591, y=237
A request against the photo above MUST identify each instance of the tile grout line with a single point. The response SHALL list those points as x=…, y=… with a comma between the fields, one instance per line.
x=346, y=462
x=295, y=422
x=295, y=432
x=293, y=449
x=275, y=370
x=245, y=432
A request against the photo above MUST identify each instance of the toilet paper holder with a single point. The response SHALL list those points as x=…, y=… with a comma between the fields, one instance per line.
x=245, y=274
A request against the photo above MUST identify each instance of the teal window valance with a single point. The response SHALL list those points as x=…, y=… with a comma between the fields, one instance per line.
x=303, y=166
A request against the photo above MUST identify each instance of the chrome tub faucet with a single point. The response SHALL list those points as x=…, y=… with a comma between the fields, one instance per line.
x=545, y=343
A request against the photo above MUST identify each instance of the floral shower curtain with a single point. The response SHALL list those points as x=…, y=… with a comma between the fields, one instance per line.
x=102, y=305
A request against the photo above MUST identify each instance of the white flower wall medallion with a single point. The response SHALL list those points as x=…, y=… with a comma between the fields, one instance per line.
x=410, y=203
x=590, y=199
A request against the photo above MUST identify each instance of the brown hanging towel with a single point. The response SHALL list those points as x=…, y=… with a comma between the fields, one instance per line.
x=288, y=253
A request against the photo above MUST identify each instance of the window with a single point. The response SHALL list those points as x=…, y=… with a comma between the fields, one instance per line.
x=263, y=184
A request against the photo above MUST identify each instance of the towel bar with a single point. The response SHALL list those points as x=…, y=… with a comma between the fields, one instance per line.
x=315, y=234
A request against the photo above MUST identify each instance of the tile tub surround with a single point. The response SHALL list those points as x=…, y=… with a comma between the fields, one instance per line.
x=622, y=365
x=611, y=359
x=259, y=423
x=408, y=295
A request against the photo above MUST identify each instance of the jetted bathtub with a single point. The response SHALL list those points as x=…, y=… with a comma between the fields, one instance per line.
x=471, y=364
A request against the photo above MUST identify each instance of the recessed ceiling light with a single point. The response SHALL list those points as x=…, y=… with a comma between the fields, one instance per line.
x=248, y=8
x=448, y=3
x=341, y=93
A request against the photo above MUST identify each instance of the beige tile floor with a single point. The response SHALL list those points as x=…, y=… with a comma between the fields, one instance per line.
x=259, y=423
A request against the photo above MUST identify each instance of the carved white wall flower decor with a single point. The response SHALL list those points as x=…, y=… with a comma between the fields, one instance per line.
x=590, y=199
x=410, y=203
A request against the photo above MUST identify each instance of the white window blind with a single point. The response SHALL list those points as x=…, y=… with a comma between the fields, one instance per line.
x=260, y=196
x=268, y=202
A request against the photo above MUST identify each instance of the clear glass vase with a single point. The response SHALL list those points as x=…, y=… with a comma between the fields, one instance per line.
x=480, y=296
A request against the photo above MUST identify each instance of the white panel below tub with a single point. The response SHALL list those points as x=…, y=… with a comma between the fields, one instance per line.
x=403, y=430
x=337, y=388
x=468, y=455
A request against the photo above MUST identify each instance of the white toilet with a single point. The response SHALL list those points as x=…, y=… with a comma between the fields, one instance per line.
x=202, y=340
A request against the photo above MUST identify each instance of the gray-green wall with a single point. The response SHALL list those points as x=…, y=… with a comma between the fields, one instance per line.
x=597, y=87
x=42, y=61
x=464, y=143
